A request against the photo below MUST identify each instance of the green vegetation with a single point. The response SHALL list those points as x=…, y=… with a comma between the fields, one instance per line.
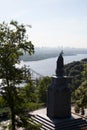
x=75, y=70
x=81, y=97
x=13, y=42
x=42, y=86
x=18, y=102
x=33, y=95
x=78, y=71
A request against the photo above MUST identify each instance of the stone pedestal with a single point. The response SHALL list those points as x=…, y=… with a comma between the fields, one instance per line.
x=59, y=98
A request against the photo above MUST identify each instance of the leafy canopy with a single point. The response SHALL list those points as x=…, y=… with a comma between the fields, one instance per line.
x=13, y=43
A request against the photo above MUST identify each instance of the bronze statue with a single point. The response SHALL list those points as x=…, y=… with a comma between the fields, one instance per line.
x=60, y=65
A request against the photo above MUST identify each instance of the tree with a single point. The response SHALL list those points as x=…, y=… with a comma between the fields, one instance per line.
x=13, y=43
x=81, y=96
x=30, y=93
x=42, y=89
x=84, y=73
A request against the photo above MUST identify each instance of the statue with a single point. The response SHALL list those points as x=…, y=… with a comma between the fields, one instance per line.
x=60, y=65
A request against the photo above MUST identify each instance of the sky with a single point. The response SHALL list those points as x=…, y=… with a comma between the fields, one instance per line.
x=55, y=23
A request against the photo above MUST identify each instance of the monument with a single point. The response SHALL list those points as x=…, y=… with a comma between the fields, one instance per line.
x=58, y=115
x=59, y=94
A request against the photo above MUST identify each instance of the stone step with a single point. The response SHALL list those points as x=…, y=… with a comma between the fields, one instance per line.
x=61, y=123
x=72, y=126
x=48, y=120
x=71, y=122
x=80, y=127
x=56, y=124
x=58, y=121
x=45, y=125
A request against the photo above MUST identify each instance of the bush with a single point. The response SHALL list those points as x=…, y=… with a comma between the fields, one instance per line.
x=77, y=109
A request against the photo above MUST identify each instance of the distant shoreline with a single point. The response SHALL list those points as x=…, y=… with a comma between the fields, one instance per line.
x=46, y=67
x=46, y=53
x=44, y=58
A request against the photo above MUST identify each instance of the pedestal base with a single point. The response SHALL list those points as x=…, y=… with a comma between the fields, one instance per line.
x=59, y=98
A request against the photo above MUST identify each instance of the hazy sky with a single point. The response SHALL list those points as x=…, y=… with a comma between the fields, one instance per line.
x=54, y=22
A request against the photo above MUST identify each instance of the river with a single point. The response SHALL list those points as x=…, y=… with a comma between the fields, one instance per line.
x=47, y=67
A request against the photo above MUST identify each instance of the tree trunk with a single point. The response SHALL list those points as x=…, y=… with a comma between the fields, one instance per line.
x=13, y=119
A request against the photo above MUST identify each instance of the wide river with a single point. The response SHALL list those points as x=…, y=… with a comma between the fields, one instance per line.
x=47, y=67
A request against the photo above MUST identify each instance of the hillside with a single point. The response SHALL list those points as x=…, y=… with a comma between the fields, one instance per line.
x=77, y=70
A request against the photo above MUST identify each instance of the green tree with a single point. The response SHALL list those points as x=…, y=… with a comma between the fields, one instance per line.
x=84, y=73
x=81, y=96
x=30, y=92
x=42, y=89
x=13, y=43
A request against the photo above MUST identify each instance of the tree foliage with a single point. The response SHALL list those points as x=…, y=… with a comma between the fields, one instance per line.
x=13, y=43
x=78, y=71
x=42, y=89
x=81, y=96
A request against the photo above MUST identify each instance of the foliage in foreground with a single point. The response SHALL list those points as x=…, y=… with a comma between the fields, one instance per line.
x=13, y=42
